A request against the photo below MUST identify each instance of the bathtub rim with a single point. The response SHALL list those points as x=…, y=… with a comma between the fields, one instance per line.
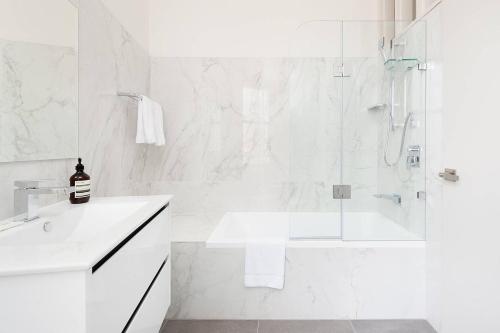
x=322, y=243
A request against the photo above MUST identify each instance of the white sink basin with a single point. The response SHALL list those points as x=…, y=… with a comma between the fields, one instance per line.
x=72, y=237
x=70, y=224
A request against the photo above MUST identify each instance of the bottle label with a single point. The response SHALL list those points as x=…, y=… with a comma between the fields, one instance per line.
x=82, y=188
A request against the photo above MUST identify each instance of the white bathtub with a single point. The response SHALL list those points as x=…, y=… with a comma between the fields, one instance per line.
x=324, y=279
x=311, y=229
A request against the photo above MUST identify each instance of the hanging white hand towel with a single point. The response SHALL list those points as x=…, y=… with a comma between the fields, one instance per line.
x=149, y=122
x=158, y=124
x=145, y=122
x=265, y=264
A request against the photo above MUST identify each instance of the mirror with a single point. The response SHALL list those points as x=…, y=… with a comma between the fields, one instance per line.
x=38, y=80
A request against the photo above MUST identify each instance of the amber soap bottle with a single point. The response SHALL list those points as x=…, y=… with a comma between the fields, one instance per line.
x=81, y=181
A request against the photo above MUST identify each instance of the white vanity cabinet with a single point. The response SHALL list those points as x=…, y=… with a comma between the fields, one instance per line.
x=127, y=278
x=124, y=289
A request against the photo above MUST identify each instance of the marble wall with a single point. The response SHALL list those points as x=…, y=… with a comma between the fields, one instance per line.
x=110, y=61
x=261, y=134
x=320, y=283
x=230, y=136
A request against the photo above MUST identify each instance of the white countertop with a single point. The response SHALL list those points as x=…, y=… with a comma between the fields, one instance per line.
x=80, y=235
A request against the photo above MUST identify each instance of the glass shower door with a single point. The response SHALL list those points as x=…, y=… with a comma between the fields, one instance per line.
x=315, y=108
x=383, y=126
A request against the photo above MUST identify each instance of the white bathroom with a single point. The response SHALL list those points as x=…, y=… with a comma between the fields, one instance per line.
x=249, y=166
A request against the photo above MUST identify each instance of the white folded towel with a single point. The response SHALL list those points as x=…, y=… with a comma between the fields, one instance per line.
x=149, y=122
x=265, y=264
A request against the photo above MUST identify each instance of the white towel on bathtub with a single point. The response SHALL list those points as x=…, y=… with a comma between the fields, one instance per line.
x=265, y=264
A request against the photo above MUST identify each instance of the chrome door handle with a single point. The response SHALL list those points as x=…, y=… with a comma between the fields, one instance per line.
x=449, y=175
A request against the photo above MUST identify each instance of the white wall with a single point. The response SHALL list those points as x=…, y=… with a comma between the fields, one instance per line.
x=469, y=244
x=52, y=22
x=258, y=28
x=134, y=16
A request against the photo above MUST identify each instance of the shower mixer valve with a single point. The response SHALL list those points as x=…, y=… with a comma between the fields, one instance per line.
x=413, y=158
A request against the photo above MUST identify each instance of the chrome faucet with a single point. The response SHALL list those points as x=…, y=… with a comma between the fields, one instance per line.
x=395, y=198
x=26, y=195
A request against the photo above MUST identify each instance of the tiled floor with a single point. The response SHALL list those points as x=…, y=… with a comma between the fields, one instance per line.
x=297, y=326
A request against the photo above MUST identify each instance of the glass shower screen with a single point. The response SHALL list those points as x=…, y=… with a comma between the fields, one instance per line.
x=315, y=130
x=357, y=119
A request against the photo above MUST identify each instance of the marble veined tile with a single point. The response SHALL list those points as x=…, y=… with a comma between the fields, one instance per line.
x=245, y=134
x=110, y=61
x=226, y=119
x=320, y=283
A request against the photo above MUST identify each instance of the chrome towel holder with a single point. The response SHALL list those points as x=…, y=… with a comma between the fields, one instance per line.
x=134, y=96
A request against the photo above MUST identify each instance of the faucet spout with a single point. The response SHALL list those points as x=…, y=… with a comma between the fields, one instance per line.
x=26, y=195
x=395, y=198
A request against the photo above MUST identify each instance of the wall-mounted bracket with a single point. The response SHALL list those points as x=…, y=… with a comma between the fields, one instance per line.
x=422, y=66
x=342, y=191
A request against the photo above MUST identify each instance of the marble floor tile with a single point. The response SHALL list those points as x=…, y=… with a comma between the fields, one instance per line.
x=210, y=326
x=303, y=326
x=392, y=326
x=296, y=326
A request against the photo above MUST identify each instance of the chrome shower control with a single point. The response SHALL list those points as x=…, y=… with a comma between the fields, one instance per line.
x=413, y=158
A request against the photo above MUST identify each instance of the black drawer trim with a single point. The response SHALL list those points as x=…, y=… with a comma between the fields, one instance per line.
x=144, y=297
x=126, y=240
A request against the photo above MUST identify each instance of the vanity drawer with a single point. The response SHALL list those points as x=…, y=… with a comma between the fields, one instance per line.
x=151, y=312
x=119, y=281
